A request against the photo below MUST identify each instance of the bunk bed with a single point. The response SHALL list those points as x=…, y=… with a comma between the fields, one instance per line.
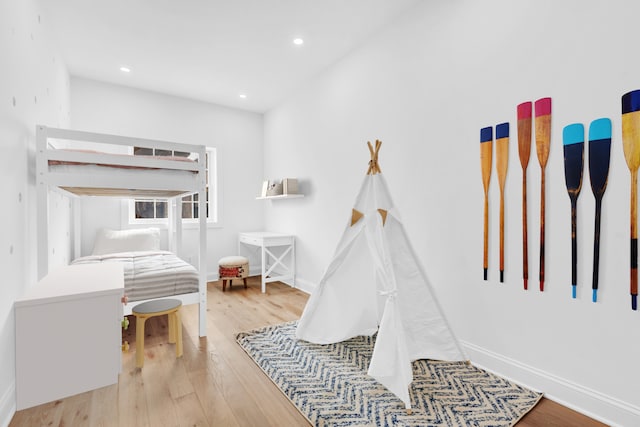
x=64, y=163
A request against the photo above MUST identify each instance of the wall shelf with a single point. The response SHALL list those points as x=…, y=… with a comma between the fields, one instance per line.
x=280, y=196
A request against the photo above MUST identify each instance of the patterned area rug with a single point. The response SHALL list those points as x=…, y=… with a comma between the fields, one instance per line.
x=329, y=385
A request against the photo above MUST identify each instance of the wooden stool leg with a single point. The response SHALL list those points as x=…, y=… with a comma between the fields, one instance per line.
x=245, y=282
x=171, y=317
x=178, y=330
x=224, y=285
x=140, y=340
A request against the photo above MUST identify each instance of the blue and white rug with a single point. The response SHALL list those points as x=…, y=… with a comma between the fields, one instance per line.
x=329, y=385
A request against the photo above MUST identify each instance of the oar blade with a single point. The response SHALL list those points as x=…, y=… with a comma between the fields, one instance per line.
x=631, y=128
x=502, y=152
x=573, y=145
x=524, y=132
x=543, y=129
x=599, y=154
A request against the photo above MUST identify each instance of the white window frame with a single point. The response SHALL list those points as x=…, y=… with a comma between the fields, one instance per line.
x=214, y=200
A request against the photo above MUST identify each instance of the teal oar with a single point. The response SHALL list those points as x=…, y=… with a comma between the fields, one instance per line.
x=573, y=144
x=599, y=155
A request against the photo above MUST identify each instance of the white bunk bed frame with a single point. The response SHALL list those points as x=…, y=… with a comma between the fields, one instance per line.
x=156, y=180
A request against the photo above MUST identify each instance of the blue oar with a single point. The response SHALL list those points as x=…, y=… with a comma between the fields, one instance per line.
x=573, y=142
x=599, y=155
x=631, y=146
x=486, y=144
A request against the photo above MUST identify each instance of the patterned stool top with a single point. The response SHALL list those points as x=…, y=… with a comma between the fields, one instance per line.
x=232, y=261
x=156, y=306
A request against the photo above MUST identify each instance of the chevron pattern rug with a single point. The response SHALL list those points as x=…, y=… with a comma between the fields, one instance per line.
x=329, y=385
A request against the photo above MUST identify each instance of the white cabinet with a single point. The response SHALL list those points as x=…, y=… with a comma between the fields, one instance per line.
x=68, y=333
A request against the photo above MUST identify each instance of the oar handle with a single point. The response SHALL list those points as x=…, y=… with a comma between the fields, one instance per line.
x=634, y=239
x=542, y=198
x=486, y=235
x=501, y=236
x=596, y=249
x=525, y=244
x=574, y=243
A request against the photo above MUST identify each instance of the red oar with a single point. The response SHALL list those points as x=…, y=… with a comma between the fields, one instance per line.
x=502, y=159
x=543, y=141
x=573, y=144
x=486, y=143
x=599, y=155
x=631, y=145
x=524, y=150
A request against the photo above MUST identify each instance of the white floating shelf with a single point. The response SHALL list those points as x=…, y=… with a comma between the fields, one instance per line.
x=281, y=196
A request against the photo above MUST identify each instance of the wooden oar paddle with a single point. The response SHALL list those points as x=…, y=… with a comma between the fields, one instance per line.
x=486, y=145
x=543, y=141
x=524, y=150
x=573, y=143
x=599, y=155
x=502, y=160
x=631, y=145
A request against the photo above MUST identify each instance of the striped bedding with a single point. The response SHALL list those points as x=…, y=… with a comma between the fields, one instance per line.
x=151, y=274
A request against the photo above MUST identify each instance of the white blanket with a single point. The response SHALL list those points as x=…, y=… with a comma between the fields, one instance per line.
x=151, y=274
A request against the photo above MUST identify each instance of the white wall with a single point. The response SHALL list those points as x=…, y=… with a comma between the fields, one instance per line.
x=33, y=90
x=237, y=136
x=425, y=87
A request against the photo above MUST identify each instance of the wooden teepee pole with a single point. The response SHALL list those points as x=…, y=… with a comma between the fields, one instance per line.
x=374, y=168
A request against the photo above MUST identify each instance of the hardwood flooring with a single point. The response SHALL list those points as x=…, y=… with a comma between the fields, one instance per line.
x=215, y=383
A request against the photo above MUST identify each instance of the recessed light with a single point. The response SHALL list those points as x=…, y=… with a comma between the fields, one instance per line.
x=243, y=96
x=125, y=69
x=298, y=42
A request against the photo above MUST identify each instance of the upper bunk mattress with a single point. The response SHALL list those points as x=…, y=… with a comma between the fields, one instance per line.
x=150, y=274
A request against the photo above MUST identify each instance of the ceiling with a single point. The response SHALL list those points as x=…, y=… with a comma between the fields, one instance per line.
x=213, y=50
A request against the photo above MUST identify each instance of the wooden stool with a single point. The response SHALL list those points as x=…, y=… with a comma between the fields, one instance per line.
x=233, y=267
x=158, y=308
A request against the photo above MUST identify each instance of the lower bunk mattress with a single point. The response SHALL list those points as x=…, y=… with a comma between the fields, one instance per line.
x=150, y=274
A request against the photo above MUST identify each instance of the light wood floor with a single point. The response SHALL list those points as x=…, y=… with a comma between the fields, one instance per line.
x=215, y=383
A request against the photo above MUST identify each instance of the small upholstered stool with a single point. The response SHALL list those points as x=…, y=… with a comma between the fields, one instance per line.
x=233, y=267
x=154, y=308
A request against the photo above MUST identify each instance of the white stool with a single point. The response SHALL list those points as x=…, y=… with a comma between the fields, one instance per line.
x=233, y=267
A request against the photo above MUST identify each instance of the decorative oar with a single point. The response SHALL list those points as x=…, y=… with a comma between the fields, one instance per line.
x=631, y=145
x=524, y=150
x=486, y=143
x=502, y=160
x=573, y=142
x=543, y=141
x=599, y=155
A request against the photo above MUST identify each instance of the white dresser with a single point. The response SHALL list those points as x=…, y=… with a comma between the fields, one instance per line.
x=68, y=333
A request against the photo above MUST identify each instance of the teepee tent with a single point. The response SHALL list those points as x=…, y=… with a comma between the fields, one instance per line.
x=375, y=283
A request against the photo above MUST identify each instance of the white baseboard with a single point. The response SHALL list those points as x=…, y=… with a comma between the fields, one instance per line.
x=8, y=405
x=597, y=405
x=305, y=285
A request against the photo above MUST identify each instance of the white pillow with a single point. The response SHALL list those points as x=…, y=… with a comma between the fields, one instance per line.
x=114, y=241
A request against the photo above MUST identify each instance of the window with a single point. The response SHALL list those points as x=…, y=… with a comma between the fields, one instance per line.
x=157, y=210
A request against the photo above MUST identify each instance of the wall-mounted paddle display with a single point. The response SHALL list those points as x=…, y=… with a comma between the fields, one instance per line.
x=524, y=151
x=486, y=146
x=599, y=155
x=573, y=144
x=543, y=142
x=502, y=160
x=631, y=146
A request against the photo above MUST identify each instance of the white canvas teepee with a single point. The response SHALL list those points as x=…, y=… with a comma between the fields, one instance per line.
x=375, y=283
